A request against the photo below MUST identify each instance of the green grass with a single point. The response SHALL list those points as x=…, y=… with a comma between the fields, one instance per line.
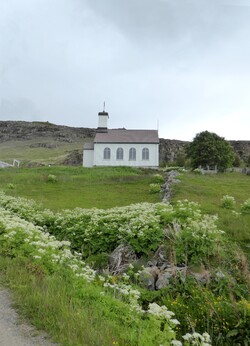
x=73, y=315
x=208, y=190
x=76, y=314
x=79, y=187
x=25, y=152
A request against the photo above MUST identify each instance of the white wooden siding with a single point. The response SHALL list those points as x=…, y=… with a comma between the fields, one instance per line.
x=98, y=159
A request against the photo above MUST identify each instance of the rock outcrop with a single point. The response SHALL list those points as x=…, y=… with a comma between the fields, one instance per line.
x=23, y=130
x=170, y=149
x=120, y=259
x=74, y=158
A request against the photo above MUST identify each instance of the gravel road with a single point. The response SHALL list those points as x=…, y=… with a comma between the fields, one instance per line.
x=12, y=331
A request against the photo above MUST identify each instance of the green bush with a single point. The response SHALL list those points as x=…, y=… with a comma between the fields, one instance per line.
x=158, y=179
x=10, y=186
x=245, y=207
x=154, y=188
x=198, y=241
x=228, y=202
x=198, y=306
x=52, y=178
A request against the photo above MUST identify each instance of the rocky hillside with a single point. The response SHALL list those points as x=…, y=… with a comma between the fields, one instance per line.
x=171, y=150
x=43, y=143
x=39, y=143
x=23, y=130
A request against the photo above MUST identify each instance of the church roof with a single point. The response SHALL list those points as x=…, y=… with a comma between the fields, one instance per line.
x=127, y=136
x=88, y=146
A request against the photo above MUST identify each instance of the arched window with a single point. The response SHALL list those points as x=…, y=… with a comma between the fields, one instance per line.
x=106, y=154
x=145, y=154
x=132, y=154
x=119, y=154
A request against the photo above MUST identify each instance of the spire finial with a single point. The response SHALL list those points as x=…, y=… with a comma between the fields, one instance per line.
x=104, y=106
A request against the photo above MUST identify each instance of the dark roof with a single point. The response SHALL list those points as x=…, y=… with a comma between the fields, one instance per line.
x=88, y=146
x=127, y=136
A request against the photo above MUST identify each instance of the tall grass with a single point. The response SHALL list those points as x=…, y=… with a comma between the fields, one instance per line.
x=73, y=315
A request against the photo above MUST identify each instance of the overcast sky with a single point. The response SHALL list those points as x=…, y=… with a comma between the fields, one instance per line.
x=181, y=65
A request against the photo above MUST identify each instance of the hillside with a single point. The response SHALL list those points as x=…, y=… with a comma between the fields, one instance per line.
x=39, y=143
x=140, y=260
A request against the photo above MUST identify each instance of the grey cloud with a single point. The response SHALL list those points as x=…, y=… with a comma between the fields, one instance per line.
x=24, y=107
x=170, y=19
x=171, y=60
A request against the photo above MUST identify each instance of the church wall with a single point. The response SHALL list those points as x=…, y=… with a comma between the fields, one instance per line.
x=88, y=158
x=153, y=155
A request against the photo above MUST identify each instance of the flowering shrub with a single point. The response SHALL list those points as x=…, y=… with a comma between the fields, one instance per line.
x=197, y=339
x=154, y=188
x=20, y=238
x=228, y=202
x=198, y=240
x=245, y=207
x=95, y=230
x=26, y=231
x=143, y=225
x=185, y=210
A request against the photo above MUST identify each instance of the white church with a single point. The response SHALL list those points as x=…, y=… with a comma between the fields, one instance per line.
x=121, y=147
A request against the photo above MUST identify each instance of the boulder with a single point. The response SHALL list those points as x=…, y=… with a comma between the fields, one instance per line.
x=120, y=259
x=163, y=280
x=148, y=277
x=159, y=259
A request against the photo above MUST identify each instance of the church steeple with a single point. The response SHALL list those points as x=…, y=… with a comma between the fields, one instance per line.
x=103, y=120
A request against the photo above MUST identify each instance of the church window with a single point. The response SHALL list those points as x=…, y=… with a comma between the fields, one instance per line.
x=106, y=154
x=119, y=154
x=145, y=154
x=132, y=154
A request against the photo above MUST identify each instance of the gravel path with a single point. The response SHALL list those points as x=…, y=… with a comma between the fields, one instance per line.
x=13, y=333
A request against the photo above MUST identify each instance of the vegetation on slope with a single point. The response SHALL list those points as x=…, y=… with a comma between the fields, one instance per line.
x=208, y=191
x=219, y=305
x=41, y=143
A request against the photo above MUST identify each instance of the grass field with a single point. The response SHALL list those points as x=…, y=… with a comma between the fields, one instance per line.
x=208, y=190
x=26, y=151
x=79, y=187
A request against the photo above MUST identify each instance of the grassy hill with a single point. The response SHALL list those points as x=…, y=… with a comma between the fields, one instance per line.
x=64, y=296
x=37, y=143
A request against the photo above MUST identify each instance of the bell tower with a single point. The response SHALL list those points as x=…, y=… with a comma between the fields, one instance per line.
x=103, y=120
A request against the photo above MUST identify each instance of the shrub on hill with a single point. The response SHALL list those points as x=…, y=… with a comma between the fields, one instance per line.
x=219, y=305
